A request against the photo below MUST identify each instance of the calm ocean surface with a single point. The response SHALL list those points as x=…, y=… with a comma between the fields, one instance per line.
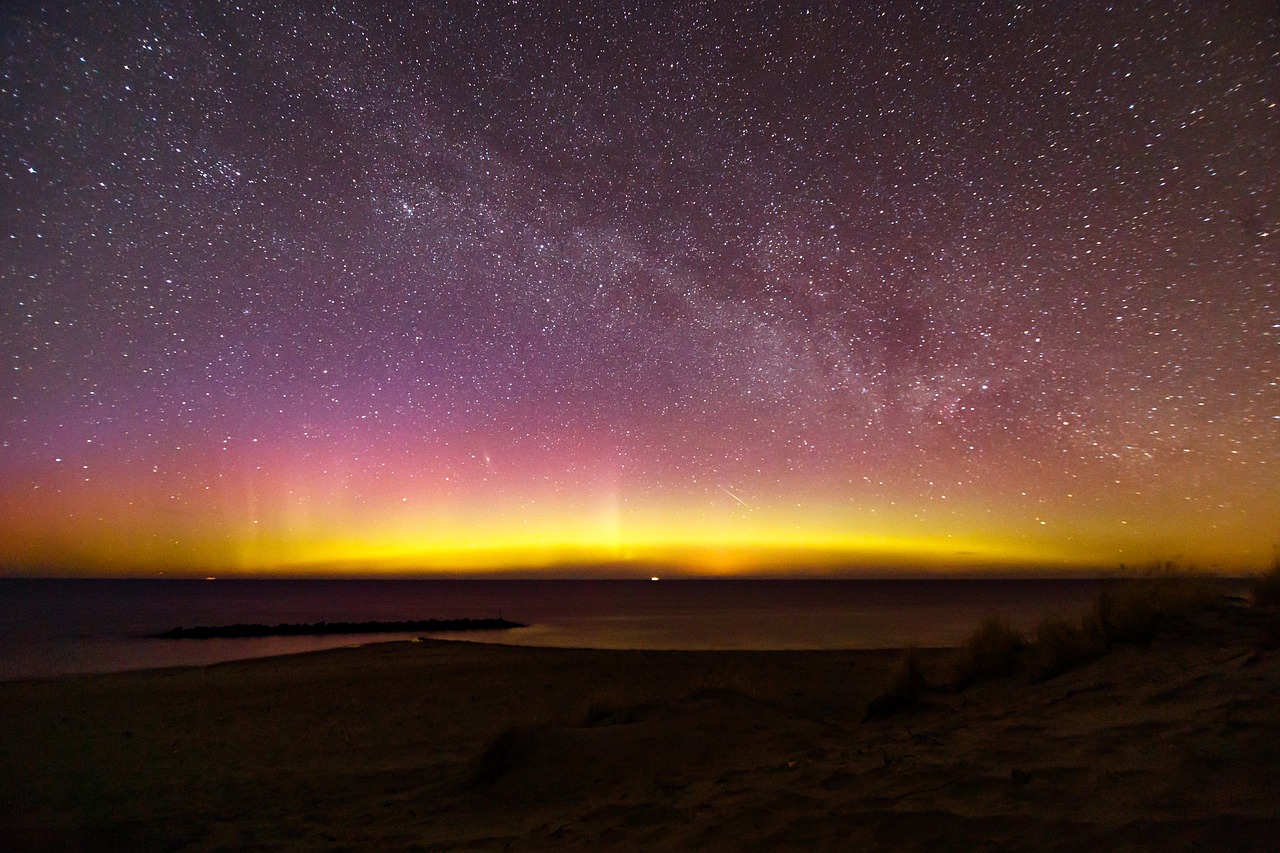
x=54, y=627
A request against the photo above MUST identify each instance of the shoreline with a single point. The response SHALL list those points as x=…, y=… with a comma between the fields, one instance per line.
x=454, y=744
x=100, y=626
x=74, y=632
x=356, y=643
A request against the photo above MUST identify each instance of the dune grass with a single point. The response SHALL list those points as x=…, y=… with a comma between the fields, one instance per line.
x=1061, y=644
x=993, y=650
x=1128, y=611
x=504, y=752
x=613, y=708
x=908, y=675
x=906, y=685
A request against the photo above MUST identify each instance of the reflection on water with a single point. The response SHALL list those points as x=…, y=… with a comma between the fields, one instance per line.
x=50, y=627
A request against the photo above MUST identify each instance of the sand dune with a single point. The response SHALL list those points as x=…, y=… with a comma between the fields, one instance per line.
x=457, y=746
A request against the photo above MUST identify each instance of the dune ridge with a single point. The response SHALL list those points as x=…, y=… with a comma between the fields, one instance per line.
x=1167, y=742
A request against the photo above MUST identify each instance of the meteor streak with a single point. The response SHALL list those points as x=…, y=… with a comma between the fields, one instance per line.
x=735, y=497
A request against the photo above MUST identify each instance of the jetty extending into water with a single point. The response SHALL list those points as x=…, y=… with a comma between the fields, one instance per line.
x=286, y=629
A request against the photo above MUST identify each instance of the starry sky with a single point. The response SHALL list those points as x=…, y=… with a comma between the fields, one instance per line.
x=724, y=287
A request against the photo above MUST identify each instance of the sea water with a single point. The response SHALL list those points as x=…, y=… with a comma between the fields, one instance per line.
x=56, y=627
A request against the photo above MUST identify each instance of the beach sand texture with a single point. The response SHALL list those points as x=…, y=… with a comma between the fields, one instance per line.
x=457, y=746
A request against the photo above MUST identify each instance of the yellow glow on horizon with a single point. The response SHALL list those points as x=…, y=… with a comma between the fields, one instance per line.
x=722, y=541
x=294, y=527
x=695, y=545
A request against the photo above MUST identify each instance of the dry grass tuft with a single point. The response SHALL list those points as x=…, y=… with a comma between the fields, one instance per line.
x=603, y=712
x=1130, y=611
x=613, y=711
x=908, y=676
x=993, y=650
x=907, y=684
x=506, y=751
x=1062, y=644
x=761, y=688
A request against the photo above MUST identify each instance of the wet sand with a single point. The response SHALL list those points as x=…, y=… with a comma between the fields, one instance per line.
x=457, y=746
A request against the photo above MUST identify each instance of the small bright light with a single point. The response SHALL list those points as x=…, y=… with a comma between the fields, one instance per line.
x=654, y=578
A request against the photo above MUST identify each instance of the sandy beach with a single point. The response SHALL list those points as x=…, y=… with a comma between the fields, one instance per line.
x=438, y=745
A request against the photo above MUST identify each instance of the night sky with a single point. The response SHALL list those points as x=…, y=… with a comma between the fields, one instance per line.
x=467, y=286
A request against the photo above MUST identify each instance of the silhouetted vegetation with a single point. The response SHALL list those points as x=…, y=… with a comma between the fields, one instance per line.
x=613, y=709
x=504, y=753
x=1062, y=644
x=906, y=685
x=993, y=650
x=908, y=677
x=1130, y=611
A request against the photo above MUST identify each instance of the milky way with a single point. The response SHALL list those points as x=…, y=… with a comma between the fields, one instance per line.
x=439, y=286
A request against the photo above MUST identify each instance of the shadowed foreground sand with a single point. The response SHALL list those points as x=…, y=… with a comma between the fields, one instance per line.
x=443, y=746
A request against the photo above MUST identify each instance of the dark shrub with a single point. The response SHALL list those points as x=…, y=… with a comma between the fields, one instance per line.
x=504, y=753
x=908, y=677
x=993, y=650
x=906, y=685
x=1130, y=611
x=1063, y=644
